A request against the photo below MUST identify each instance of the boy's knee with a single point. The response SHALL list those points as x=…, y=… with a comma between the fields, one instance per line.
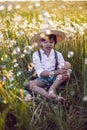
x=69, y=71
x=66, y=76
x=32, y=85
x=63, y=77
x=29, y=85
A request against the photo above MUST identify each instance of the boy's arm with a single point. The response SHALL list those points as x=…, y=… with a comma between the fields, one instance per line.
x=62, y=69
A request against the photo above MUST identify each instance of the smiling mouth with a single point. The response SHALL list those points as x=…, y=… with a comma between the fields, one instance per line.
x=49, y=48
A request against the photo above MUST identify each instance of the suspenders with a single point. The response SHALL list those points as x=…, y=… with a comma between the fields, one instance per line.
x=56, y=58
x=56, y=63
x=39, y=54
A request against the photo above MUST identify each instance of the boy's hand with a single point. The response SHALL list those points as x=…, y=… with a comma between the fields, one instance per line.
x=62, y=70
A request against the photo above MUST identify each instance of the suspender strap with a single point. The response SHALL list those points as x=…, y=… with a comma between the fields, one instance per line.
x=56, y=60
x=39, y=53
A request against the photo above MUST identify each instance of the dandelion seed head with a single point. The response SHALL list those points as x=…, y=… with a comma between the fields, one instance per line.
x=31, y=68
x=30, y=6
x=40, y=17
x=85, y=98
x=16, y=51
x=63, y=7
x=72, y=93
x=19, y=73
x=14, y=61
x=15, y=65
x=17, y=6
x=1, y=35
x=19, y=33
x=49, y=22
x=32, y=64
x=22, y=55
x=17, y=18
x=27, y=49
x=35, y=44
x=2, y=8
x=70, y=54
x=7, y=41
x=80, y=7
x=10, y=74
x=85, y=61
x=5, y=56
x=45, y=14
x=48, y=32
x=37, y=4
x=45, y=31
x=2, y=58
x=69, y=71
x=27, y=52
x=13, y=42
x=10, y=86
x=9, y=8
x=5, y=102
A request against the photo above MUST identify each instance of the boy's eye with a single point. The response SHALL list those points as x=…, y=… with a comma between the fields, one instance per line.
x=43, y=40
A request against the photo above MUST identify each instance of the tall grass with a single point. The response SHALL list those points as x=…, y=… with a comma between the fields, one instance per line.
x=17, y=25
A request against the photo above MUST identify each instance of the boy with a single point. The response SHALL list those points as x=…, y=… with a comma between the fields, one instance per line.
x=50, y=66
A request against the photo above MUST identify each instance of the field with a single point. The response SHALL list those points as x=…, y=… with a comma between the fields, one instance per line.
x=19, y=21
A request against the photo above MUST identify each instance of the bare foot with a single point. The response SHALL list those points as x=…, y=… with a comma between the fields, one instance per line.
x=28, y=98
x=61, y=99
x=51, y=94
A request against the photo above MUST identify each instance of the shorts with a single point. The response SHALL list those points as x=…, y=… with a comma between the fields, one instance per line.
x=47, y=80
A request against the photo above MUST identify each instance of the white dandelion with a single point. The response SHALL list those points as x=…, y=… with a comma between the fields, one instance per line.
x=27, y=49
x=85, y=61
x=70, y=54
x=16, y=51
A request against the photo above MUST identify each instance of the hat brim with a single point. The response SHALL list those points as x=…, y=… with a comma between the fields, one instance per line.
x=59, y=34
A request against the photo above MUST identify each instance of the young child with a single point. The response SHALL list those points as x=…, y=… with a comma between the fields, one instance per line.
x=51, y=71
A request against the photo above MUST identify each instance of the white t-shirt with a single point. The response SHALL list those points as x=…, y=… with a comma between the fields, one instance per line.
x=47, y=63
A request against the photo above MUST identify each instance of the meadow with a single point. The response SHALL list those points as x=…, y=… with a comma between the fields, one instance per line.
x=19, y=21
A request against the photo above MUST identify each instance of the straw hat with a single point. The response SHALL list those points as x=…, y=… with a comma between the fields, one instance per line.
x=44, y=32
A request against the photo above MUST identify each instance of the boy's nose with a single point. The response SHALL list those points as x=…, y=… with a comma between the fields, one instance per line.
x=50, y=44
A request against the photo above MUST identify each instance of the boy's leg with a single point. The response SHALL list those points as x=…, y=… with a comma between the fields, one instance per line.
x=37, y=86
x=59, y=79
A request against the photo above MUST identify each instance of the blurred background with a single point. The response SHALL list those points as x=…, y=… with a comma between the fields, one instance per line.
x=19, y=21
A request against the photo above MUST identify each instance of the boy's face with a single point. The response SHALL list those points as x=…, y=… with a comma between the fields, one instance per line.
x=47, y=44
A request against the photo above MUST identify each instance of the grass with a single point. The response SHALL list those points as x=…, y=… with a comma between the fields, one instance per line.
x=17, y=25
